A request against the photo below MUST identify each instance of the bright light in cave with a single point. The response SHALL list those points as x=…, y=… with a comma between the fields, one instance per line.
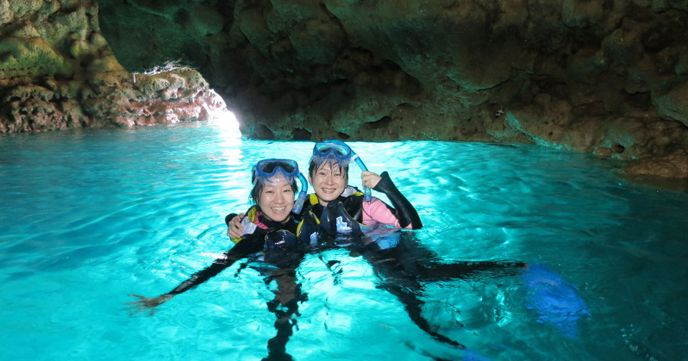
x=226, y=122
x=224, y=118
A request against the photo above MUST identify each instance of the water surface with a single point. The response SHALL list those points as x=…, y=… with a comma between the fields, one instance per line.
x=89, y=217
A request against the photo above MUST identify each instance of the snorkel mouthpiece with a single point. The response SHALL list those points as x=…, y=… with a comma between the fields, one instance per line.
x=298, y=203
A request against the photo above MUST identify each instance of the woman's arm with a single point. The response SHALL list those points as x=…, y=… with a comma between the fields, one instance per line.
x=241, y=250
x=378, y=212
x=403, y=209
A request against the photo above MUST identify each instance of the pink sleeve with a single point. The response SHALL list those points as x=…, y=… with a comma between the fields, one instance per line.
x=376, y=211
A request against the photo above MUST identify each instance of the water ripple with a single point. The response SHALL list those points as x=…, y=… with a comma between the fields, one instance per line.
x=89, y=217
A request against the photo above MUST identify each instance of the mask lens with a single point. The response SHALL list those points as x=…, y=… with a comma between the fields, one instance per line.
x=270, y=167
x=267, y=168
x=339, y=150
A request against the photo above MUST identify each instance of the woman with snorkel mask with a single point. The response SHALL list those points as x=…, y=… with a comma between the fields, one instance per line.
x=269, y=236
x=328, y=172
x=402, y=263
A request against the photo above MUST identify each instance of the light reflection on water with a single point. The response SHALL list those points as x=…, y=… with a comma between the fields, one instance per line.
x=89, y=217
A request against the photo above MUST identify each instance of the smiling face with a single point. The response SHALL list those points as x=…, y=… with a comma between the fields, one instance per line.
x=329, y=181
x=276, y=199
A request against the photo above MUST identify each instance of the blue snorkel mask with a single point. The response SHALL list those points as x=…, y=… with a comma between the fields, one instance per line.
x=268, y=168
x=342, y=154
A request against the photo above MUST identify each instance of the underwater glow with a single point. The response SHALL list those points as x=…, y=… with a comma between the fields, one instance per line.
x=91, y=216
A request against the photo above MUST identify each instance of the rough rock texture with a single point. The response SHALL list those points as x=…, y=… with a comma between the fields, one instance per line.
x=606, y=77
x=57, y=71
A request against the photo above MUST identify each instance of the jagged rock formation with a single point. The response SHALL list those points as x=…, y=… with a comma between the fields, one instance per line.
x=57, y=71
x=606, y=77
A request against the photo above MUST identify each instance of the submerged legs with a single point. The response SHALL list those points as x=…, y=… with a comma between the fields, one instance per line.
x=413, y=306
x=404, y=268
x=449, y=271
x=277, y=346
x=284, y=305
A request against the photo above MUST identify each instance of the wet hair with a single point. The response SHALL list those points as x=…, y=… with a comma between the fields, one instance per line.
x=258, y=188
x=315, y=165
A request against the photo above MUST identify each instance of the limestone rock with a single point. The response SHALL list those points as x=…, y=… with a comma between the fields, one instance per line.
x=672, y=165
x=57, y=71
x=606, y=77
x=674, y=104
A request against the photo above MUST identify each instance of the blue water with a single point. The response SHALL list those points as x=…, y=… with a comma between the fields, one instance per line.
x=89, y=217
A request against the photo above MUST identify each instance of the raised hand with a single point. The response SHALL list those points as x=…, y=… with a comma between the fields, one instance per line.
x=235, y=229
x=370, y=179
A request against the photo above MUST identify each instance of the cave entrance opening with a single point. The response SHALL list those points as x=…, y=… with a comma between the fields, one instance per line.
x=225, y=120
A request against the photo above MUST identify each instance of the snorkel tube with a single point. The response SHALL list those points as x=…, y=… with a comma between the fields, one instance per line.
x=366, y=191
x=341, y=152
x=301, y=198
x=268, y=168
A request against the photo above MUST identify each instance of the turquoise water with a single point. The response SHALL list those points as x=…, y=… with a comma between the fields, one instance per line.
x=89, y=217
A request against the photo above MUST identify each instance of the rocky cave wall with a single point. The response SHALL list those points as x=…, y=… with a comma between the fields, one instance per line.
x=57, y=71
x=607, y=77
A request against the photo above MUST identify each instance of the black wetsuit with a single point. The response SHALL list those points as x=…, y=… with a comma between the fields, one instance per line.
x=402, y=268
x=353, y=204
x=405, y=268
x=249, y=244
x=288, y=293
